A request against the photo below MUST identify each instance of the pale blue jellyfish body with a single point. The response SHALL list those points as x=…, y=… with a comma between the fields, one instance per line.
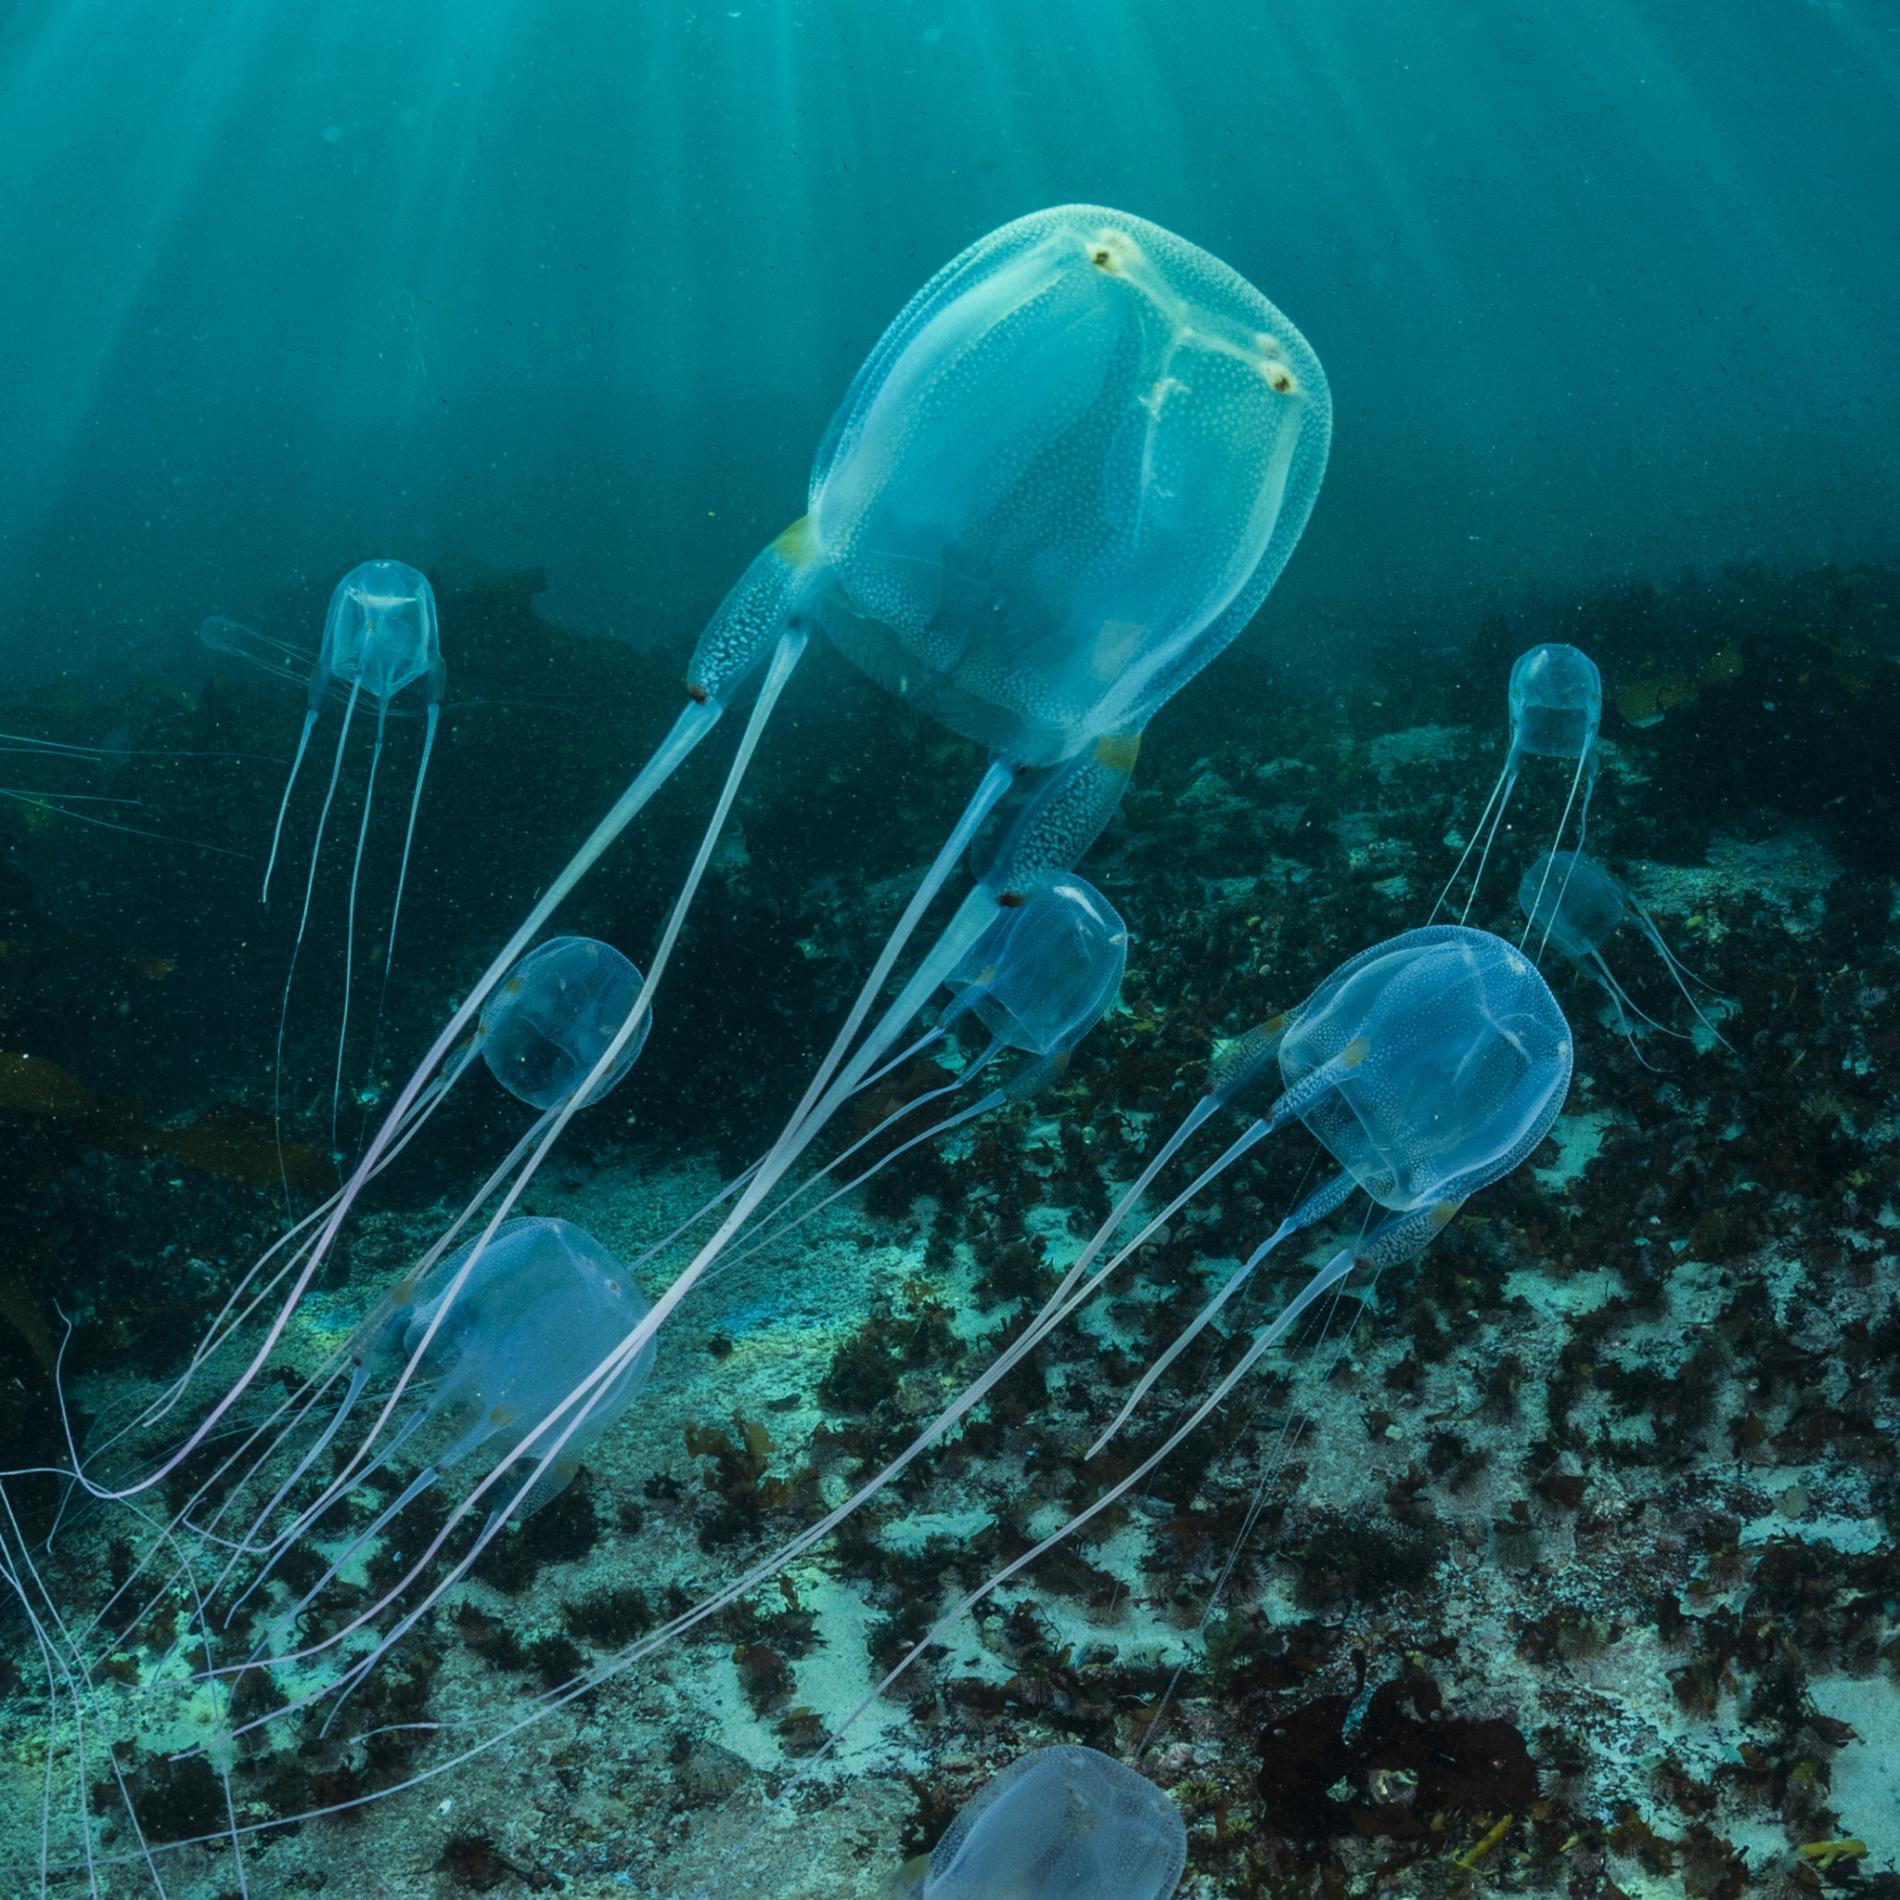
x=1061, y=1823
x=379, y=636
x=543, y=1029
x=1046, y=971
x=482, y=1347
x=1063, y=480
x=1579, y=906
x=1555, y=707
x=1039, y=979
x=1428, y=1067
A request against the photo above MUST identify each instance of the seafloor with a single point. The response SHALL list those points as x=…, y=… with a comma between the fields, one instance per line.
x=1574, y=1568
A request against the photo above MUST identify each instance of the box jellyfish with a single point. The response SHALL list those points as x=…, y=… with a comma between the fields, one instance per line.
x=1580, y=906
x=1056, y=1824
x=1038, y=980
x=1554, y=705
x=380, y=635
x=481, y=1348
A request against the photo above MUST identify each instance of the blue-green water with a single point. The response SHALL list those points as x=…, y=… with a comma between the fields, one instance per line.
x=1551, y=1547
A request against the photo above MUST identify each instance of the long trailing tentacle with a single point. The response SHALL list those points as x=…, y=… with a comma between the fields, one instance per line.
x=1490, y=838
x=1317, y=1205
x=296, y=766
x=778, y=1227
x=1497, y=786
x=1678, y=970
x=303, y=923
x=1625, y=1006
x=349, y=925
x=1550, y=856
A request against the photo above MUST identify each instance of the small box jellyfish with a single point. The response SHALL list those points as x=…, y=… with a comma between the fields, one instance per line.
x=1062, y=482
x=1554, y=706
x=1060, y=1823
x=1039, y=979
x=1580, y=911
x=482, y=1348
x=380, y=634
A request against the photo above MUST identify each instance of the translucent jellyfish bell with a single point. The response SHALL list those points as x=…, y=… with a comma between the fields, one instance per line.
x=1555, y=706
x=1064, y=480
x=1428, y=1066
x=381, y=628
x=1046, y=971
x=1556, y=702
x=1448, y=1059
x=479, y=1351
x=544, y=1028
x=1580, y=906
x=1061, y=1823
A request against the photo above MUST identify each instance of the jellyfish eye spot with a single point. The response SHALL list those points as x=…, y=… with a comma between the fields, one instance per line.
x=1010, y=900
x=697, y=693
x=501, y=1414
x=1279, y=379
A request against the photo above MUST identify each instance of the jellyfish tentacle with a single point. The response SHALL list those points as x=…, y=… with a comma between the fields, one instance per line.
x=1395, y=1239
x=1625, y=1006
x=296, y=766
x=777, y=1229
x=1678, y=970
x=349, y=925
x=1317, y=1205
x=437, y=684
x=1550, y=856
x=303, y=923
x=1491, y=836
x=1497, y=786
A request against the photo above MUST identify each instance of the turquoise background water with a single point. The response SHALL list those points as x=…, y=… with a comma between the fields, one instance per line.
x=1603, y=288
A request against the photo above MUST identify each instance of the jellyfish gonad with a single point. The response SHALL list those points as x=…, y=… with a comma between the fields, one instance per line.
x=1554, y=705
x=380, y=635
x=1579, y=906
